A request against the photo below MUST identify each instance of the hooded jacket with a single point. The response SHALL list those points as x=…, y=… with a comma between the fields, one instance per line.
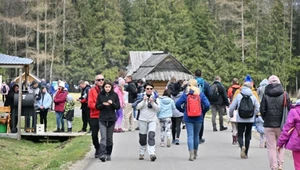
x=148, y=114
x=232, y=89
x=272, y=105
x=167, y=106
x=46, y=100
x=92, y=99
x=291, y=140
x=176, y=112
x=236, y=103
x=108, y=113
x=261, y=90
x=59, y=100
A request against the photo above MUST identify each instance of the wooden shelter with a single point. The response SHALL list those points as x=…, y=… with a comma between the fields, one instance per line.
x=30, y=78
x=159, y=68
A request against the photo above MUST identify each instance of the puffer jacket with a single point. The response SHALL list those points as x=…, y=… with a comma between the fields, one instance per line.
x=148, y=114
x=167, y=106
x=271, y=107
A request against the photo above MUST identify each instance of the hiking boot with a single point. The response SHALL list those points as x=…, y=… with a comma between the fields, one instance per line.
x=116, y=130
x=69, y=130
x=176, y=141
x=120, y=130
x=191, y=158
x=141, y=157
x=102, y=158
x=56, y=131
x=223, y=128
x=62, y=130
x=152, y=157
x=168, y=142
x=201, y=141
x=243, y=154
x=97, y=154
x=108, y=158
x=215, y=129
x=195, y=154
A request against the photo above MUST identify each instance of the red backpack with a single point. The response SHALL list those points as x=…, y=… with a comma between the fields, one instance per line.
x=193, y=106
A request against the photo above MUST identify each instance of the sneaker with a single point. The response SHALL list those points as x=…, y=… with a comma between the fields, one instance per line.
x=173, y=141
x=56, y=131
x=116, y=130
x=152, y=158
x=183, y=126
x=215, y=129
x=108, y=158
x=102, y=158
x=137, y=128
x=97, y=154
x=168, y=142
x=223, y=128
x=89, y=131
x=120, y=130
x=162, y=144
x=280, y=167
x=176, y=141
x=82, y=131
x=243, y=154
x=201, y=141
x=141, y=157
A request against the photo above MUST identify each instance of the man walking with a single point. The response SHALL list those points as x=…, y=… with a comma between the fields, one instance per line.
x=85, y=110
x=128, y=113
x=94, y=113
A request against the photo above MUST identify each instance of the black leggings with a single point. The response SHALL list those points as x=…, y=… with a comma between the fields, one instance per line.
x=247, y=129
x=43, y=117
x=176, y=126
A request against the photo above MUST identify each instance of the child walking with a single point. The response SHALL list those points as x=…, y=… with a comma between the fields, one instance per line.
x=167, y=106
x=259, y=125
x=69, y=112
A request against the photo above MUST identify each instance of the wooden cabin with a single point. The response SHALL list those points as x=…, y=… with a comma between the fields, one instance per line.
x=158, y=68
x=30, y=78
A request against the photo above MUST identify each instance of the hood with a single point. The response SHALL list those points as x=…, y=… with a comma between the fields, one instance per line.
x=246, y=91
x=264, y=82
x=166, y=100
x=274, y=90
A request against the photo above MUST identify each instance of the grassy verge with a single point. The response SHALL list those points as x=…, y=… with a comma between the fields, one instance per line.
x=25, y=155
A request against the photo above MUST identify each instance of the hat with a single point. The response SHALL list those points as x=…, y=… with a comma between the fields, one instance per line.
x=121, y=81
x=273, y=80
x=248, y=78
x=69, y=98
x=61, y=84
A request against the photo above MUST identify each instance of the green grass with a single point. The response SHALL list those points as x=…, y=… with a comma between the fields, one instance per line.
x=25, y=155
x=75, y=97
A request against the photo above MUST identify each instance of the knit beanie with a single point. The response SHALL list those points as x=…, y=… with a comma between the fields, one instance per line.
x=248, y=78
x=273, y=80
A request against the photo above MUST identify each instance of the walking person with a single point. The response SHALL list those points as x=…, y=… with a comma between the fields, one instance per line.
x=85, y=110
x=128, y=111
x=60, y=99
x=248, y=107
x=94, y=112
x=177, y=115
x=4, y=91
x=43, y=105
x=119, y=89
x=193, y=124
x=219, y=102
x=290, y=135
x=108, y=103
x=259, y=125
x=147, y=122
x=271, y=110
x=167, y=106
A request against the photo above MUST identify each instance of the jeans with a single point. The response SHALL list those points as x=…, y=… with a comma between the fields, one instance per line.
x=43, y=117
x=247, y=129
x=193, y=129
x=95, y=131
x=59, y=119
x=176, y=127
x=106, y=131
x=85, y=118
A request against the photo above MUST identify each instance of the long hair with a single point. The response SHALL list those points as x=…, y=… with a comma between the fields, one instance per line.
x=193, y=86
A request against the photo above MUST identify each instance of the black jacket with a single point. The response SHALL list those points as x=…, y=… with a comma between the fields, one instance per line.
x=84, y=97
x=10, y=97
x=132, y=92
x=222, y=99
x=271, y=106
x=107, y=113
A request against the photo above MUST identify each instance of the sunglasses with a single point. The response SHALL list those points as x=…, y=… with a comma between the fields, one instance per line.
x=149, y=88
x=99, y=79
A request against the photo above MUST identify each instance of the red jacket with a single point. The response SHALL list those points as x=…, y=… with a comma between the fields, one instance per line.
x=92, y=99
x=59, y=100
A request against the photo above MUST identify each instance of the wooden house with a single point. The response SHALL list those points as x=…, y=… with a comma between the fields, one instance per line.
x=30, y=78
x=158, y=67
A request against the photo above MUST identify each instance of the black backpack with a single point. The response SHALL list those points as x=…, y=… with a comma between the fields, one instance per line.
x=246, y=107
x=215, y=93
x=3, y=89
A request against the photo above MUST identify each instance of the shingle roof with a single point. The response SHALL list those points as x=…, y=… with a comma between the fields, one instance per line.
x=13, y=60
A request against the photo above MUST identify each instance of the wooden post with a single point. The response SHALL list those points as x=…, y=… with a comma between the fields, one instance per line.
x=19, y=104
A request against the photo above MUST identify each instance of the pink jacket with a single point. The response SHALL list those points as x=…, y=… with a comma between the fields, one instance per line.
x=120, y=93
x=291, y=141
x=59, y=100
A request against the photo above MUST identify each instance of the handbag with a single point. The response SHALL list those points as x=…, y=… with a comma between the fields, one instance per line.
x=285, y=111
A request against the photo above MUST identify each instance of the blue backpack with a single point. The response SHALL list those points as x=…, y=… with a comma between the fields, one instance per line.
x=200, y=82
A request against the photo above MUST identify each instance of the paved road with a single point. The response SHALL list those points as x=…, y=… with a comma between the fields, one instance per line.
x=216, y=153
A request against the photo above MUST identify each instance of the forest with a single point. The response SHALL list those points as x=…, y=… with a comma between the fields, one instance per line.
x=77, y=39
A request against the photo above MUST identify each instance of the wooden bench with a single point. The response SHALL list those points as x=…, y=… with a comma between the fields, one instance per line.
x=6, y=109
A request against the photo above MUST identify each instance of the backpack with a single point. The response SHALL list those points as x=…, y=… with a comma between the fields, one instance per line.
x=193, y=106
x=246, y=107
x=215, y=93
x=3, y=89
x=200, y=83
x=232, y=93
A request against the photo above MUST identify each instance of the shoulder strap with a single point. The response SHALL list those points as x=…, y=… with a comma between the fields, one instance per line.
x=284, y=99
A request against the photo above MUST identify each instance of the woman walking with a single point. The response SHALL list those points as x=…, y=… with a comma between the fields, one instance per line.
x=107, y=103
x=119, y=89
x=177, y=115
x=193, y=124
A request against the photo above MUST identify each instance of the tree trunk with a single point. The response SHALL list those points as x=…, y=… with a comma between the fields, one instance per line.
x=291, y=30
x=54, y=42
x=243, y=36
x=26, y=32
x=64, y=36
x=45, y=64
x=37, y=40
x=16, y=47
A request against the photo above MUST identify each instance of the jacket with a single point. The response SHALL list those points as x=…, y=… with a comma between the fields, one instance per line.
x=259, y=124
x=207, y=91
x=222, y=97
x=59, y=100
x=84, y=97
x=272, y=105
x=120, y=93
x=92, y=99
x=10, y=97
x=181, y=106
x=291, y=140
x=236, y=103
x=167, y=106
x=132, y=92
x=7, y=89
x=148, y=114
x=238, y=91
x=108, y=113
x=230, y=91
x=261, y=90
x=176, y=112
x=46, y=100
x=69, y=110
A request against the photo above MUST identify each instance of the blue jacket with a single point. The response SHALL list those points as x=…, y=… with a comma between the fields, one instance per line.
x=204, y=103
x=45, y=101
x=167, y=106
